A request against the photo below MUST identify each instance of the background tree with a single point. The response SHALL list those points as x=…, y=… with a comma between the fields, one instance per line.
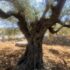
x=33, y=56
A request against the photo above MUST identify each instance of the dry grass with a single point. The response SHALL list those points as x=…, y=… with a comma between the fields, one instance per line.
x=56, y=57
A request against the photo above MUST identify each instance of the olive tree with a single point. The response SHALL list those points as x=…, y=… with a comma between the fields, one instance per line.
x=33, y=56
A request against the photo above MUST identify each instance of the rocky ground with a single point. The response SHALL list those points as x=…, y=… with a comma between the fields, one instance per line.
x=56, y=54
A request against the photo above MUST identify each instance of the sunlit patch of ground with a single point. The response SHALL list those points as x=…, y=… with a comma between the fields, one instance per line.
x=56, y=57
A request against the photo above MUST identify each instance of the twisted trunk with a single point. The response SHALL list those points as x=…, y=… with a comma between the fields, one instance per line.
x=32, y=59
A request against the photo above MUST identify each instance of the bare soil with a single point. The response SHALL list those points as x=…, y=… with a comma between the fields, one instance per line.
x=56, y=54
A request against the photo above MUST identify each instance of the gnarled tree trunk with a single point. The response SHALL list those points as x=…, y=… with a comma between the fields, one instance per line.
x=32, y=59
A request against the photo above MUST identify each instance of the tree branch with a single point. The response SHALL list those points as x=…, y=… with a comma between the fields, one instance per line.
x=51, y=29
x=45, y=24
x=57, y=9
x=3, y=15
x=22, y=22
x=63, y=24
x=46, y=9
x=23, y=26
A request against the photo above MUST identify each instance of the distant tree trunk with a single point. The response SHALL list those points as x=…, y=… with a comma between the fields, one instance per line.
x=32, y=59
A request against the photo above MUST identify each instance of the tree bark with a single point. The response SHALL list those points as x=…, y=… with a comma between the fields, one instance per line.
x=32, y=58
